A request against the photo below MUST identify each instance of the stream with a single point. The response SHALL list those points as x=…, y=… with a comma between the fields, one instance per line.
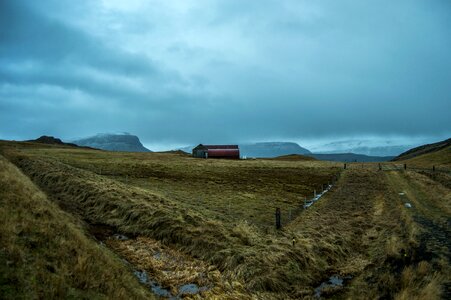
x=310, y=202
x=334, y=283
x=103, y=233
x=186, y=289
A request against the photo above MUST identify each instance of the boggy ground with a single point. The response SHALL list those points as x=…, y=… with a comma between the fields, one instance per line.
x=359, y=230
x=358, y=224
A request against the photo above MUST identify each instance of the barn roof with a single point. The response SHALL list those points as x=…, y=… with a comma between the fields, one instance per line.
x=221, y=146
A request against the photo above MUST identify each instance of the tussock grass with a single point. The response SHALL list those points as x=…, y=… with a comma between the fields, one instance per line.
x=172, y=269
x=225, y=190
x=242, y=251
x=243, y=254
x=44, y=255
x=217, y=213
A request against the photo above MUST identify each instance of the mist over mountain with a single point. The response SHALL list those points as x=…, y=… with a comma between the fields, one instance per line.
x=113, y=142
x=365, y=147
x=271, y=149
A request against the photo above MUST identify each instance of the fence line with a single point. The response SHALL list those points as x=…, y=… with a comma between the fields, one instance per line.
x=396, y=167
x=288, y=215
x=285, y=217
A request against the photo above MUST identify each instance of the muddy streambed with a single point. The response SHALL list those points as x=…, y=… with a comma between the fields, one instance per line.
x=167, y=272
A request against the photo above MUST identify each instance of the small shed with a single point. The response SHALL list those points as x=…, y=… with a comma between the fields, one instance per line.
x=217, y=151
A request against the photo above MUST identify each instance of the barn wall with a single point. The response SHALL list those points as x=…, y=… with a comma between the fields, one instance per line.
x=224, y=153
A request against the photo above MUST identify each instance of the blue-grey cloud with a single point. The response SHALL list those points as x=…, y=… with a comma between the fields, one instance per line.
x=224, y=71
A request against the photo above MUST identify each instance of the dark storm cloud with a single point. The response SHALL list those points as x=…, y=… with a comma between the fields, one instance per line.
x=225, y=71
x=26, y=35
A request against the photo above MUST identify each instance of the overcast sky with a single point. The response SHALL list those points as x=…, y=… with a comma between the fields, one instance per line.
x=222, y=71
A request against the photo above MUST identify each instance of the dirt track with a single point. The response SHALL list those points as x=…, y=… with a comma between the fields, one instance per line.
x=430, y=210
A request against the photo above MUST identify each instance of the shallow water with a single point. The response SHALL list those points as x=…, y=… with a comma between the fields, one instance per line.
x=334, y=281
x=317, y=197
x=156, y=288
x=186, y=289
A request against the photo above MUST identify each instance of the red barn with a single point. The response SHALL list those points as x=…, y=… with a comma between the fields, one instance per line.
x=217, y=151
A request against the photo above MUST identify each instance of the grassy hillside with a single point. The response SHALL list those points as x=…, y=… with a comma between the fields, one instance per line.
x=439, y=158
x=45, y=255
x=215, y=218
x=424, y=149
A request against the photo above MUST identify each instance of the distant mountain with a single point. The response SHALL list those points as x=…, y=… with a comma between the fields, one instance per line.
x=50, y=140
x=113, y=142
x=424, y=149
x=365, y=147
x=265, y=149
x=271, y=149
x=350, y=157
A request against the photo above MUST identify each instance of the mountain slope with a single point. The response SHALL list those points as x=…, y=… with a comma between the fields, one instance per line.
x=424, y=149
x=113, y=142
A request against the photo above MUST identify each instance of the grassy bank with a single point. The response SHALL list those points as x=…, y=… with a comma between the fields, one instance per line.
x=45, y=255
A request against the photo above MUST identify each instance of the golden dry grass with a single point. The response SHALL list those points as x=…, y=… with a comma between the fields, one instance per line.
x=438, y=158
x=228, y=191
x=218, y=215
x=44, y=255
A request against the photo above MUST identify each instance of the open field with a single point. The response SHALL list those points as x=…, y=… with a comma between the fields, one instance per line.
x=225, y=190
x=216, y=219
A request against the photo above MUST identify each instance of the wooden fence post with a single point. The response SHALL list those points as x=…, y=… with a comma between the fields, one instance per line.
x=405, y=166
x=278, y=224
x=344, y=167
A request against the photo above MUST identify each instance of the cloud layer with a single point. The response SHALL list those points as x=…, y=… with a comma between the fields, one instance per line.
x=225, y=71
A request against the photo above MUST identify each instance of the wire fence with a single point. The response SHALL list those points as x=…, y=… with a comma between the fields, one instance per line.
x=283, y=217
x=396, y=167
x=286, y=216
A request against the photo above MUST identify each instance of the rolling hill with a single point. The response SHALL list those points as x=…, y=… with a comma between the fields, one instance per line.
x=424, y=149
x=437, y=154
